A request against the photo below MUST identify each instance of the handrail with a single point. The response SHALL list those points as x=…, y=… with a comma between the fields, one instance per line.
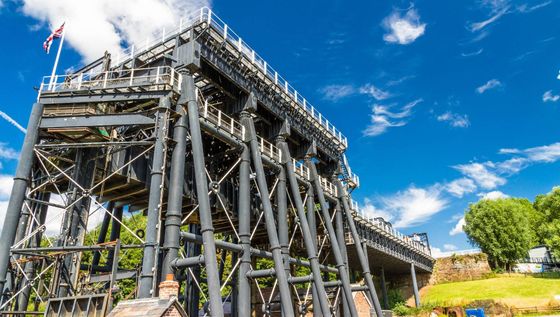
x=205, y=15
x=162, y=75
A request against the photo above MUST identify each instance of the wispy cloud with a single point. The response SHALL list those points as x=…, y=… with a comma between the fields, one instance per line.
x=375, y=92
x=403, y=29
x=399, y=81
x=475, y=53
x=7, y=153
x=337, y=92
x=460, y=187
x=493, y=195
x=382, y=118
x=458, y=228
x=13, y=122
x=526, y=8
x=477, y=26
x=548, y=96
x=491, y=84
x=482, y=174
x=449, y=247
x=414, y=206
x=454, y=119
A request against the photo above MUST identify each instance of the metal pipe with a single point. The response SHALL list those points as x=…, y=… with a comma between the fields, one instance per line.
x=204, y=212
x=308, y=238
x=177, y=176
x=102, y=235
x=244, y=216
x=19, y=187
x=261, y=273
x=339, y=223
x=281, y=276
x=115, y=233
x=414, y=285
x=312, y=221
x=359, y=250
x=282, y=214
x=384, y=289
x=192, y=293
x=343, y=274
x=145, y=287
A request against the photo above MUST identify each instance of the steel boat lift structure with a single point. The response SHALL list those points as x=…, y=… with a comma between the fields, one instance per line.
x=227, y=161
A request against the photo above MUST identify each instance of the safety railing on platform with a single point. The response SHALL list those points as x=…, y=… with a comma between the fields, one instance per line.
x=205, y=15
x=221, y=120
x=113, y=79
x=328, y=187
x=301, y=169
x=386, y=229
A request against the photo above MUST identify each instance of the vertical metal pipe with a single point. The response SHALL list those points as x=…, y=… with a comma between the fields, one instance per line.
x=414, y=285
x=115, y=234
x=281, y=276
x=282, y=213
x=312, y=222
x=343, y=274
x=204, y=212
x=192, y=292
x=340, y=236
x=156, y=177
x=243, y=283
x=102, y=235
x=342, y=196
x=308, y=239
x=384, y=289
x=177, y=176
x=25, y=163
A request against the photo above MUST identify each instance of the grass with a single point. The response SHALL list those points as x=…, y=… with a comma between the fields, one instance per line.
x=513, y=290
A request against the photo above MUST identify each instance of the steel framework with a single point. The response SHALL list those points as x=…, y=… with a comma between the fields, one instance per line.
x=241, y=181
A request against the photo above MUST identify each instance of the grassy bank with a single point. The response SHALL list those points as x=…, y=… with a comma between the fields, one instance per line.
x=512, y=290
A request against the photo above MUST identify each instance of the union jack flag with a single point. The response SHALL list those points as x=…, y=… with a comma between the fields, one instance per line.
x=54, y=35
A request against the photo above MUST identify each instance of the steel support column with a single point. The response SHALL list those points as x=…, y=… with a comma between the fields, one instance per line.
x=281, y=276
x=339, y=222
x=244, y=216
x=177, y=176
x=282, y=212
x=343, y=274
x=342, y=196
x=414, y=285
x=146, y=282
x=21, y=180
x=384, y=289
x=308, y=238
x=312, y=221
x=204, y=212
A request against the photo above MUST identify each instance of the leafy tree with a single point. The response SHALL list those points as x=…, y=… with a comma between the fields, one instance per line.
x=548, y=223
x=502, y=228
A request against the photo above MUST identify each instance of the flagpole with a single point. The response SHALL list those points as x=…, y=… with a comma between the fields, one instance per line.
x=57, y=57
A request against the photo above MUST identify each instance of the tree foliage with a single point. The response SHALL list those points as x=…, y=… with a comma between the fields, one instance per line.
x=548, y=223
x=502, y=228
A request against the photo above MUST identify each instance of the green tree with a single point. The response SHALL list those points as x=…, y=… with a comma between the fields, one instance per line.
x=548, y=223
x=502, y=228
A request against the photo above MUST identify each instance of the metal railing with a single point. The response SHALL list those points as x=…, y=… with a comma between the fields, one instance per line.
x=221, y=120
x=205, y=15
x=112, y=79
x=387, y=230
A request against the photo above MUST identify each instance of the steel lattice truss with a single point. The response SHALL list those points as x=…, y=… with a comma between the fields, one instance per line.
x=242, y=188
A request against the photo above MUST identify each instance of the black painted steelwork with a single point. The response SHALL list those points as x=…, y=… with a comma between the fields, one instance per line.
x=201, y=155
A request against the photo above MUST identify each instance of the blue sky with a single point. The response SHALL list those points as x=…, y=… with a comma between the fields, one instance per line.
x=443, y=102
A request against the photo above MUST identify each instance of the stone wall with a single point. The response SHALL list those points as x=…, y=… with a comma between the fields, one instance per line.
x=459, y=268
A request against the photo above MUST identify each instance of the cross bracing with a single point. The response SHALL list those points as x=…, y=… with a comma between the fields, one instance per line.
x=226, y=161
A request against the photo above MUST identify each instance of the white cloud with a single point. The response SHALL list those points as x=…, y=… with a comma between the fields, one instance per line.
x=382, y=118
x=374, y=92
x=8, y=153
x=449, y=247
x=337, y=92
x=549, y=97
x=477, y=26
x=493, y=195
x=12, y=121
x=454, y=119
x=539, y=154
x=371, y=211
x=491, y=84
x=475, y=53
x=458, y=228
x=94, y=26
x=460, y=187
x=436, y=252
x=481, y=174
x=525, y=8
x=6, y=182
x=414, y=205
x=403, y=29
